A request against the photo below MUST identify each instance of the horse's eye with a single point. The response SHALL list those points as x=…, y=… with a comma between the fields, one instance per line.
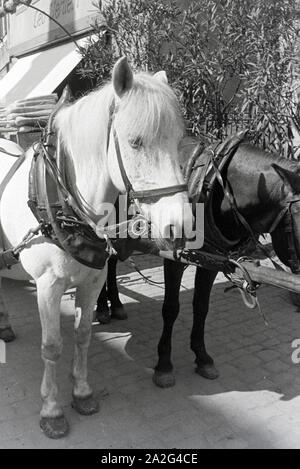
x=136, y=143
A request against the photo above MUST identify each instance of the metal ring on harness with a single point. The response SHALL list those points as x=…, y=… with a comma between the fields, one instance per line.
x=245, y=284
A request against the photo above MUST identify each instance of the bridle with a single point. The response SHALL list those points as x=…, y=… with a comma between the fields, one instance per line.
x=136, y=197
x=285, y=218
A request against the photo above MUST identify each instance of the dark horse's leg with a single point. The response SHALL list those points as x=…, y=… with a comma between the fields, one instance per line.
x=203, y=284
x=103, y=315
x=117, y=309
x=163, y=376
x=6, y=332
x=110, y=292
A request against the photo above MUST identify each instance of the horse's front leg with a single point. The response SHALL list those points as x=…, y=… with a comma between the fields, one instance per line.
x=102, y=313
x=117, y=308
x=164, y=376
x=6, y=332
x=86, y=297
x=50, y=291
x=204, y=281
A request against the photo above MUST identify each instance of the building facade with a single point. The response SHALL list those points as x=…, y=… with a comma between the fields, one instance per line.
x=37, y=53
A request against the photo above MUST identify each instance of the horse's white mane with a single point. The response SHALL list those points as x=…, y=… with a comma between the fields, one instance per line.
x=149, y=111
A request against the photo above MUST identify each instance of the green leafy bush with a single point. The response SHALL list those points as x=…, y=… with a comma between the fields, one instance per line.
x=232, y=62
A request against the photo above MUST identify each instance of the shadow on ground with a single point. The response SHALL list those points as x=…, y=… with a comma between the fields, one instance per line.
x=255, y=403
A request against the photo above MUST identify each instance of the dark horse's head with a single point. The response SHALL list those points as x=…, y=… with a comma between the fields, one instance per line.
x=286, y=233
x=266, y=190
x=267, y=193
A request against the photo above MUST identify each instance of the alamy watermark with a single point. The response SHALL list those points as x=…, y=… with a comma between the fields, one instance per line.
x=296, y=353
x=2, y=352
x=124, y=223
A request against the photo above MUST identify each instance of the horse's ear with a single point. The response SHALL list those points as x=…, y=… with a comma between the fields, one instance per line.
x=162, y=76
x=122, y=77
x=289, y=178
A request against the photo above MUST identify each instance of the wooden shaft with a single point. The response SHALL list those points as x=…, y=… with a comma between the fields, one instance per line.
x=259, y=274
x=276, y=278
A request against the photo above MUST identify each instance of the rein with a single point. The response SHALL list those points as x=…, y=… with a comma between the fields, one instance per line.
x=2, y=150
x=285, y=217
x=241, y=219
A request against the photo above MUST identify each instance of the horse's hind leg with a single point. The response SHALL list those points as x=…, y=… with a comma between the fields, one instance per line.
x=83, y=400
x=50, y=291
x=203, y=284
x=6, y=332
x=163, y=376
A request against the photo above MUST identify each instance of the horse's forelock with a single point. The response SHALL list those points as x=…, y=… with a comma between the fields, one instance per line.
x=150, y=110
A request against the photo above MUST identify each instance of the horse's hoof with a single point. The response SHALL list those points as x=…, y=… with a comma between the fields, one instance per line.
x=103, y=317
x=55, y=428
x=208, y=372
x=164, y=380
x=86, y=406
x=7, y=335
x=118, y=312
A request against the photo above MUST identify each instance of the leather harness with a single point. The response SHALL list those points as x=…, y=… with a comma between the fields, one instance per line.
x=70, y=227
x=203, y=171
x=61, y=217
x=285, y=223
x=55, y=208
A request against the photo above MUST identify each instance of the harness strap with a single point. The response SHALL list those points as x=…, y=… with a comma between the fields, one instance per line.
x=278, y=219
x=164, y=192
x=11, y=172
x=293, y=260
x=132, y=194
x=127, y=183
x=240, y=218
x=2, y=150
x=3, y=185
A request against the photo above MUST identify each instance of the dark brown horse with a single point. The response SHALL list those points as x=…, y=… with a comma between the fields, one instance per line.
x=266, y=190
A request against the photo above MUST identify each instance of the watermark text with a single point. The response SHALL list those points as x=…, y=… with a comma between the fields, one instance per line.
x=2, y=352
x=296, y=353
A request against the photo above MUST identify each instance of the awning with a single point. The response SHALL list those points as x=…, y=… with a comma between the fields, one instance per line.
x=40, y=73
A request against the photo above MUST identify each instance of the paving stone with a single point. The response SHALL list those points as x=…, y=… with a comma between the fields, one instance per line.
x=254, y=404
x=268, y=355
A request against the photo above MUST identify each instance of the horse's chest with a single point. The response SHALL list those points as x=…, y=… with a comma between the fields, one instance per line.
x=55, y=263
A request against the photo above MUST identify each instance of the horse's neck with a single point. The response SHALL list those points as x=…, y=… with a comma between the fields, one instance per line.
x=84, y=135
x=92, y=188
x=256, y=188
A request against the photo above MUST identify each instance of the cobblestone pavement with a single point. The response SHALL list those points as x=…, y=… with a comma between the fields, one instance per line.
x=254, y=404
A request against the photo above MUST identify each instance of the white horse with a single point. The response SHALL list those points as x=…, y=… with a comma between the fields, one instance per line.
x=149, y=127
